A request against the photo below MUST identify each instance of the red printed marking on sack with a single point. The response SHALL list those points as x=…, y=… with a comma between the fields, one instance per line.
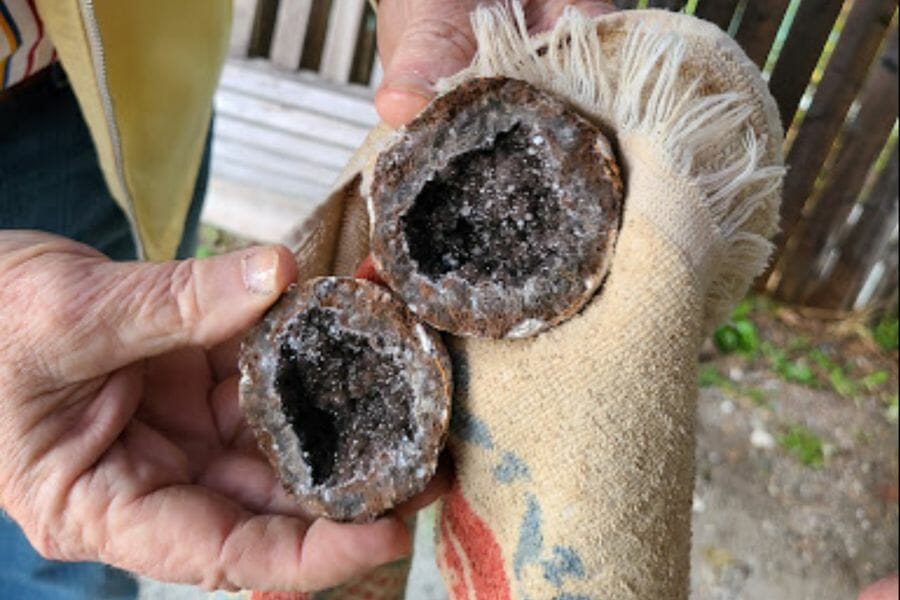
x=451, y=563
x=483, y=558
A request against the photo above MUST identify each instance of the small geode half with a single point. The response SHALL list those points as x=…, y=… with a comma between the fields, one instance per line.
x=496, y=210
x=349, y=397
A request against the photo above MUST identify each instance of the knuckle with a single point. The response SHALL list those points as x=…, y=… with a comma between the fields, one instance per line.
x=54, y=534
x=229, y=557
x=455, y=39
x=45, y=548
x=214, y=579
x=42, y=538
x=183, y=291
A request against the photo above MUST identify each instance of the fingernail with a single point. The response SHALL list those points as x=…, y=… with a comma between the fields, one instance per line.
x=259, y=270
x=411, y=83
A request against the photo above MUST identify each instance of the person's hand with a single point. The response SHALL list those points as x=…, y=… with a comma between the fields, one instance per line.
x=886, y=589
x=121, y=439
x=421, y=41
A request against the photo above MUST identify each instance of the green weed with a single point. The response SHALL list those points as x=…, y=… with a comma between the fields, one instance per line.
x=788, y=368
x=804, y=444
x=203, y=251
x=799, y=361
x=710, y=376
x=886, y=333
x=893, y=407
x=875, y=380
x=740, y=335
x=799, y=344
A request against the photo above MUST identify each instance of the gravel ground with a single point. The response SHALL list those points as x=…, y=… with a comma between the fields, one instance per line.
x=813, y=517
x=768, y=527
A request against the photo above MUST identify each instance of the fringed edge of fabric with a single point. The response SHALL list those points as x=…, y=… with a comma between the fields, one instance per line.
x=645, y=92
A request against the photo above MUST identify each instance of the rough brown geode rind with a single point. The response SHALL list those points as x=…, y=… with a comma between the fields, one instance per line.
x=495, y=212
x=348, y=395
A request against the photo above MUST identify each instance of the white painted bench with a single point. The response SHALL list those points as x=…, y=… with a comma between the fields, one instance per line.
x=282, y=135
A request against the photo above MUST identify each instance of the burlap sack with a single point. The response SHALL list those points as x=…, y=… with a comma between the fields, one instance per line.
x=574, y=450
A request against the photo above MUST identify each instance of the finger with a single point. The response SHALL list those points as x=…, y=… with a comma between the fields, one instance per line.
x=420, y=42
x=188, y=534
x=146, y=309
x=886, y=589
x=248, y=479
x=223, y=359
x=336, y=552
x=175, y=385
x=543, y=15
x=234, y=431
x=227, y=411
x=65, y=446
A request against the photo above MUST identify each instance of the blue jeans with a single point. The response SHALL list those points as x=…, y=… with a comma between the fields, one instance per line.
x=50, y=180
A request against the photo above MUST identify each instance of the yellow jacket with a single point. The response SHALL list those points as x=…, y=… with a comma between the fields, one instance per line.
x=144, y=72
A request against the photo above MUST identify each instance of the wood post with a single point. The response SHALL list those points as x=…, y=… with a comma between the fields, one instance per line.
x=759, y=24
x=861, y=144
x=859, y=42
x=800, y=54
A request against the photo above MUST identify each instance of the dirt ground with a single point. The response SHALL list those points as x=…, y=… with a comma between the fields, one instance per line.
x=775, y=518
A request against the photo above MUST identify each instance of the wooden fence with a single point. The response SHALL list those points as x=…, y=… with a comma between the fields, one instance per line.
x=310, y=35
x=831, y=65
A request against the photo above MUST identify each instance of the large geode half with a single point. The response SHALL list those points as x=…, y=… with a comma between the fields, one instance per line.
x=495, y=212
x=349, y=396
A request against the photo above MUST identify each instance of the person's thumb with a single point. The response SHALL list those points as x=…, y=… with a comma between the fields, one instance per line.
x=147, y=309
x=420, y=41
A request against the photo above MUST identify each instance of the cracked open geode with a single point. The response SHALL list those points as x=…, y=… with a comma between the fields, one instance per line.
x=495, y=212
x=349, y=397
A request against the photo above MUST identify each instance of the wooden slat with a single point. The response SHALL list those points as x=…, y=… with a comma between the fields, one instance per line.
x=843, y=77
x=250, y=212
x=311, y=57
x=270, y=161
x=626, y=4
x=275, y=115
x=290, y=30
x=719, y=12
x=366, y=52
x=666, y=4
x=877, y=219
x=758, y=27
x=291, y=187
x=800, y=54
x=884, y=297
x=243, y=19
x=263, y=26
x=377, y=74
x=340, y=41
x=301, y=91
x=861, y=144
x=879, y=291
x=292, y=145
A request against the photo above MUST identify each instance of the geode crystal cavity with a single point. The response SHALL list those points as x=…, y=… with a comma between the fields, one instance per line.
x=495, y=212
x=349, y=397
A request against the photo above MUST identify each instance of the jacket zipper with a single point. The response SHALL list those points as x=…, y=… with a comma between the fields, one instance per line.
x=96, y=45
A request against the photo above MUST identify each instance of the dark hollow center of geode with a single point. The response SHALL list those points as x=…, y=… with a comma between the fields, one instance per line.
x=491, y=214
x=344, y=394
